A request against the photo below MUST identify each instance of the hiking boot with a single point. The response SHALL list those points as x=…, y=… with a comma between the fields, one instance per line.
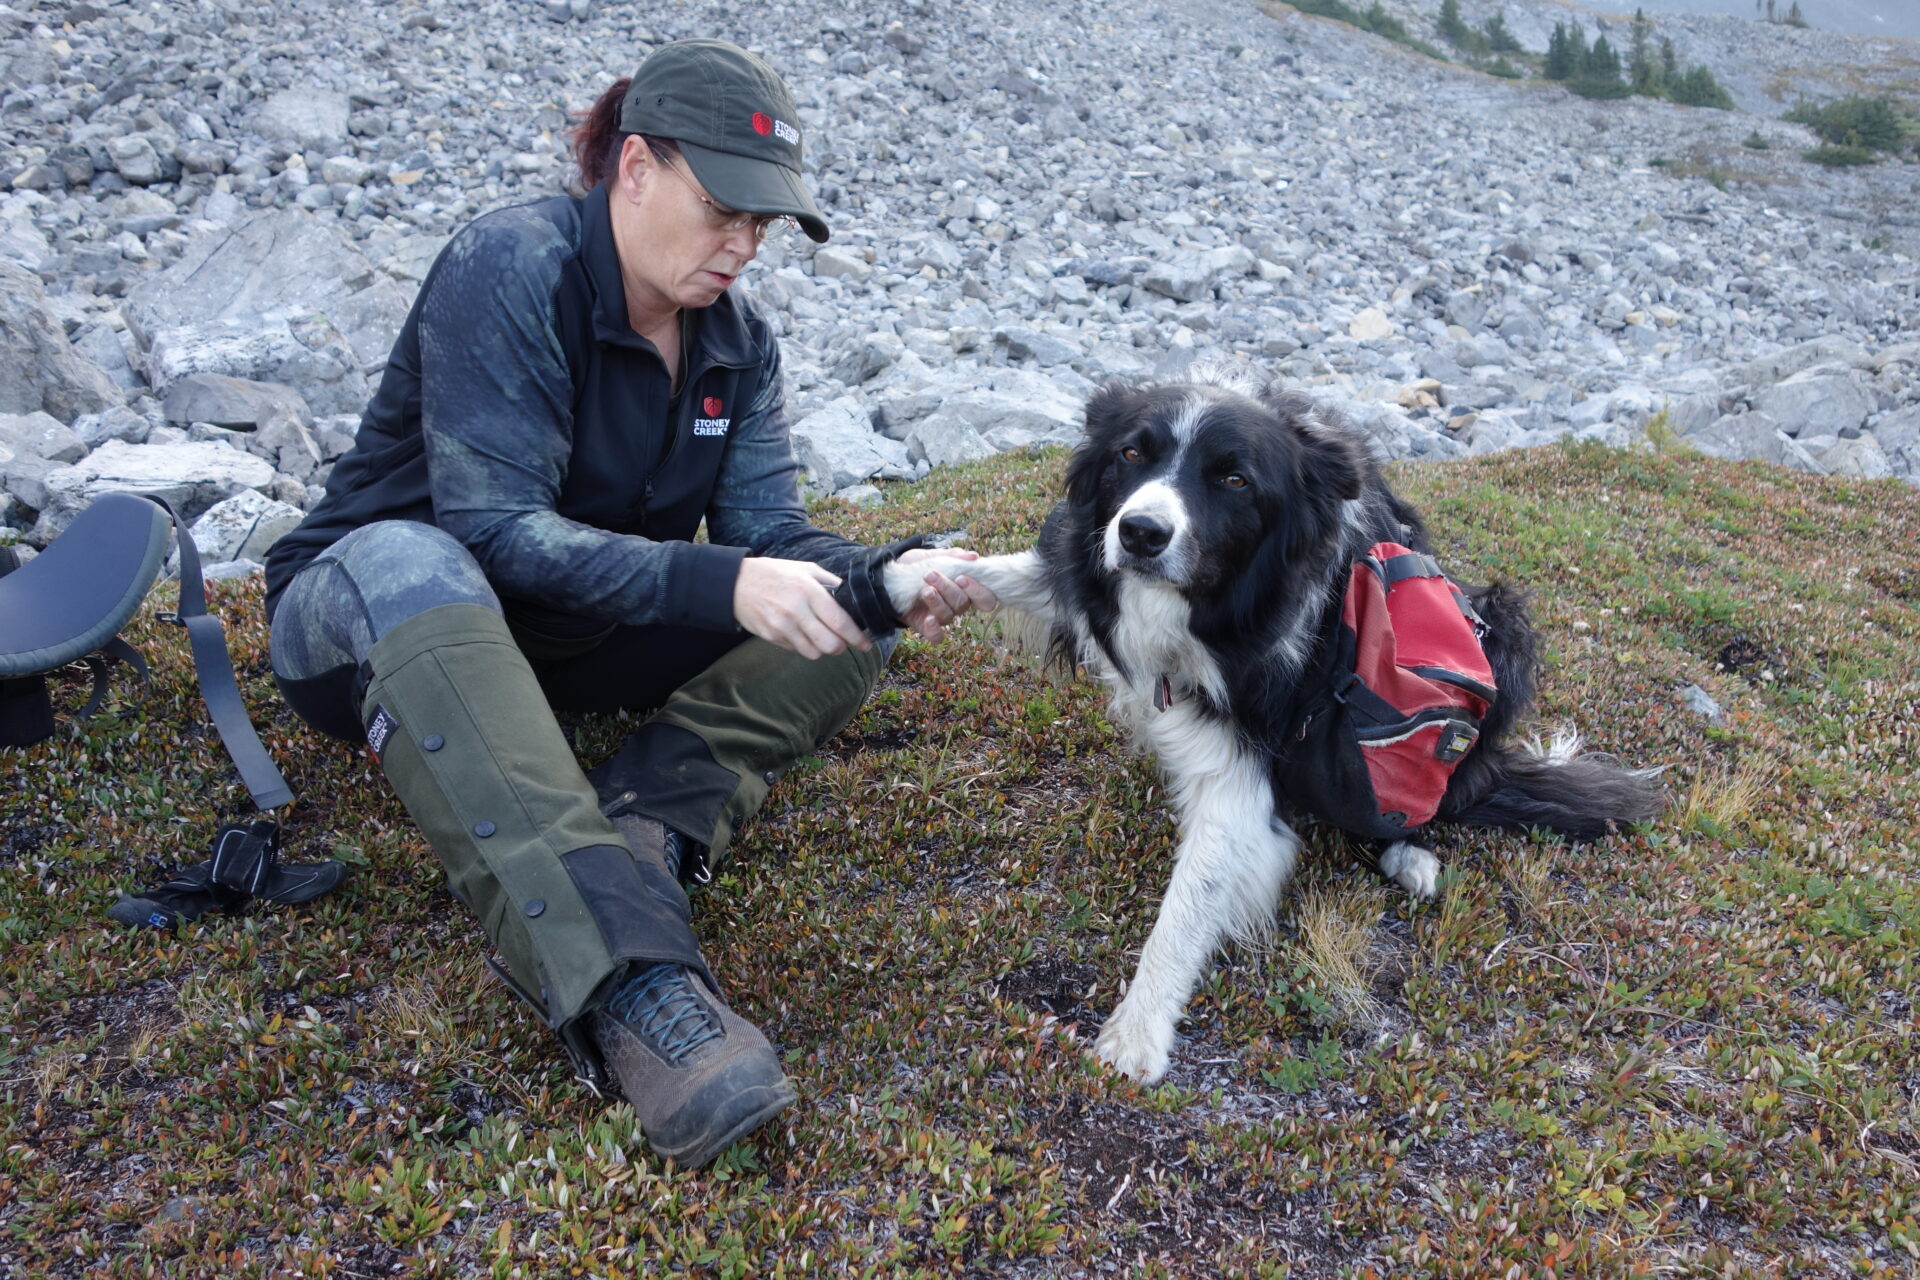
x=654, y=841
x=698, y=1076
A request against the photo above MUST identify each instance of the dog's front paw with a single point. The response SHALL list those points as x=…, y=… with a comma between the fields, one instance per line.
x=1135, y=1043
x=1412, y=868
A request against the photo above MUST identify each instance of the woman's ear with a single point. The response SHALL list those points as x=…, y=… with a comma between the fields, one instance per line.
x=633, y=167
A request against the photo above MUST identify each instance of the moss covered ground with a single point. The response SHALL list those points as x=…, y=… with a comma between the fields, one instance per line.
x=1689, y=1050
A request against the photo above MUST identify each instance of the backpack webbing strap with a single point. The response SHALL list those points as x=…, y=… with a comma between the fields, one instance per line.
x=1356, y=693
x=1415, y=564
x=1411, y=565
x=99, y=661
x=213, y=668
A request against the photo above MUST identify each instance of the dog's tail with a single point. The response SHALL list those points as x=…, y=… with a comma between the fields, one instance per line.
x=1556, y=787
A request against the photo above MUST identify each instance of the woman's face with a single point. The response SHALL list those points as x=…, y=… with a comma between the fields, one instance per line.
x=679, y=253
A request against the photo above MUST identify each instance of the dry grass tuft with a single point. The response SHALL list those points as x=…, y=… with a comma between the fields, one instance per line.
x=1720, y=799
x=1336, y=948
x=1528, y=875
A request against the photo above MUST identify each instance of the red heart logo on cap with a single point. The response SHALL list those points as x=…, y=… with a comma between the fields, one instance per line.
x=712, y=405
x=761, y=124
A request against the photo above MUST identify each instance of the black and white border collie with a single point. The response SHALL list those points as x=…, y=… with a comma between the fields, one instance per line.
x=1196, y=566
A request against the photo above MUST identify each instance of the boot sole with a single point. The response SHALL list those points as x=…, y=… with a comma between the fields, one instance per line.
x=771, y=1101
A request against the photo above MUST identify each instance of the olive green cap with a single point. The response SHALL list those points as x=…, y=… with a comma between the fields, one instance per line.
x=734, y=121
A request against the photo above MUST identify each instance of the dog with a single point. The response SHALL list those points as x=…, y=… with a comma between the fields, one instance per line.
x=1196, y=566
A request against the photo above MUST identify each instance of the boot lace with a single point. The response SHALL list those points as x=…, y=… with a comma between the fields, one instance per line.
x=660, y=1005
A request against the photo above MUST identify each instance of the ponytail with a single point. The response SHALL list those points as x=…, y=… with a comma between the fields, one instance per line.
x=597, y=137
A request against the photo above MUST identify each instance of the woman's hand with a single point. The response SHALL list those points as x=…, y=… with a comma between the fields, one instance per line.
x=787, y=602
x=942, y=599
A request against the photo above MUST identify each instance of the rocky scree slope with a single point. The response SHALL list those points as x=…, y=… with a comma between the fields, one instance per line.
x=213, y=217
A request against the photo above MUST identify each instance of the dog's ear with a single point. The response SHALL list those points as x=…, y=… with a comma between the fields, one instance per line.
x=1333, y=459
x=1109, y=410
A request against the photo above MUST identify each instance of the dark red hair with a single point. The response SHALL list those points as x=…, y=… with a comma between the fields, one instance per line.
x=597, y=137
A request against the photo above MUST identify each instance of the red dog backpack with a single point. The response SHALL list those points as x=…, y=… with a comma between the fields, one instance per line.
x=1409, y=686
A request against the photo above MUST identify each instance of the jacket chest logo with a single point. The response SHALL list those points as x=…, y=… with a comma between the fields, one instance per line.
x=712, y=424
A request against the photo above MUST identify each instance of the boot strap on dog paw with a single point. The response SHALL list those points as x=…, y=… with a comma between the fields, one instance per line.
x=244, y=856
x=863, y=588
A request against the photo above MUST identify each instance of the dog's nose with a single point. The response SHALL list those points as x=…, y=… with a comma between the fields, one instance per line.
x=1144, y=536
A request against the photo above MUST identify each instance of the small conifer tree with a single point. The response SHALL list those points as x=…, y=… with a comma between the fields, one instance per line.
x=1561, y=61
x=1601, y=62
x=1500, y=37
x=1642, y=73
x=1698, y=88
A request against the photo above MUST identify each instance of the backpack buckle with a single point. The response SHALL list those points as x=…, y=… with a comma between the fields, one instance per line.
x=1456, y=739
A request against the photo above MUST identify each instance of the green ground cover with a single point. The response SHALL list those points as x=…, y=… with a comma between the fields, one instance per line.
x=1689, y=1050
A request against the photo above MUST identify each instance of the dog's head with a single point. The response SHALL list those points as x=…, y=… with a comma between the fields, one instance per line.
x=1205, y=488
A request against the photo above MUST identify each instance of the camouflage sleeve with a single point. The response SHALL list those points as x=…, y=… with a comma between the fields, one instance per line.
x=756, y=502
x=496, y=416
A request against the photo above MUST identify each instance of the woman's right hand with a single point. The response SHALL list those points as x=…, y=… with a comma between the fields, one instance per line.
x=789, y=603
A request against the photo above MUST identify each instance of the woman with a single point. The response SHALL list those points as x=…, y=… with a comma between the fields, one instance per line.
x=576, y=388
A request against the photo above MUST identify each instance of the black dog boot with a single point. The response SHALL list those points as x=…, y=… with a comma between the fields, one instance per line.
x=186, y=896
x=245, y=865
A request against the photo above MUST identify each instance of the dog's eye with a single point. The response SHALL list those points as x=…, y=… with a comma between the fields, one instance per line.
x=1234, y=480
x=1130, y=454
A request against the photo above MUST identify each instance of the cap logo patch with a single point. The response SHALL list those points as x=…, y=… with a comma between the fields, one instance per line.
x=712, y=405
x=762, y=123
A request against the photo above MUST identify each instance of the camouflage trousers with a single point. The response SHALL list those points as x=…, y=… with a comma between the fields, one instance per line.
x=394, y=631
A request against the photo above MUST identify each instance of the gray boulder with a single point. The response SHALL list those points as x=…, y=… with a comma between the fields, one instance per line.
x=1184, y=277
x=946, y=437
x=1045, y=350
x=1692, y=413
x=1812, y=404
x=1396, y=435
x=23, y=242
x=243, y=527
x=105, y=348
x=1744, y=435
x=38, y=367
x=1016, y=408
x=284, y=440
x=1800, y=357
x=306, y=354
x=273, y=267
x=1899, y=437
x=1861, y=456
x=40, y=436
x=837, y=447
x=231, y=402
x=836, y=263
x=191, y=477
x=139, y=161
x=23, y=477
x=117, y=423
x=311, y=119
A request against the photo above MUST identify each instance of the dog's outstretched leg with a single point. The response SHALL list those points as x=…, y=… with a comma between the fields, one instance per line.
x=1235, y=857
x=1412, y=868
x=1020, y=580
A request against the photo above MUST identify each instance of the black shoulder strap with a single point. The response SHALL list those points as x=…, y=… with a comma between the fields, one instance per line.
x=213, y=668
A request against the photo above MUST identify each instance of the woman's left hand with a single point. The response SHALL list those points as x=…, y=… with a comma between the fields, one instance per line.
x=942, y=599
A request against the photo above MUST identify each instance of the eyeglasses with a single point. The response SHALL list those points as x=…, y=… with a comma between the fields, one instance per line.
x=721, y=218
